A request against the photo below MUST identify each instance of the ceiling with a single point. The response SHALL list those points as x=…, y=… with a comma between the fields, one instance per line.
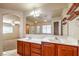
x=30, y=6
x=49, y=10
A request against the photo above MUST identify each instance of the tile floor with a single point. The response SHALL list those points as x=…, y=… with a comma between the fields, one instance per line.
x=10, y=53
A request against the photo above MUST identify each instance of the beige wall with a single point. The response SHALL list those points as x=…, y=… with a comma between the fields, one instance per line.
x=17, y=13
x=1, y=45
x=13, y=35
x=16, y=27
x=7, y=38
x=74, y=28
x=66, y=30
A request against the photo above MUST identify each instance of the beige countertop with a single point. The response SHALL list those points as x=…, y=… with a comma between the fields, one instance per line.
x=65, y=41
x=30, y=40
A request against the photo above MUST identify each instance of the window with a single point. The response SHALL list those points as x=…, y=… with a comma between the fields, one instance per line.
x=7, y=27
x=38, y=29
x=46, y=29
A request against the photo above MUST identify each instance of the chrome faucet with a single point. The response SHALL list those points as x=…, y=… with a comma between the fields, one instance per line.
x=30, y=37
x=56, y=38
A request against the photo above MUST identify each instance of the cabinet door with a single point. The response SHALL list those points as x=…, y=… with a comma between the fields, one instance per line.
x=35, y=49
x=78, y=51
x=26, y=48
x=20, y=47
x=48, y=49
x=64, y=50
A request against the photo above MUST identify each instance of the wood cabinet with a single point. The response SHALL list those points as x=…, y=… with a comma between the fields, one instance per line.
x=78, y=50
x=23, y=48
x=20, y=47
x=64, y=50
x=48, y=49
x=35, y=49
x=35, y=54
x=26, y=48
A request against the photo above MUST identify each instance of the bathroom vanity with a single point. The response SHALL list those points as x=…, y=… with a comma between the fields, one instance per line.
x=44, y=47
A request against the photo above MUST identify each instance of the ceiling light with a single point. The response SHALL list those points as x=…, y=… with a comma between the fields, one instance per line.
x=45, y=20
x=35, y=21
x=35, y=12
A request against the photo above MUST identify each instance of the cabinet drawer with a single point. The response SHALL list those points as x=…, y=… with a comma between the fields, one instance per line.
x=36, y=50
x=48, y=49
x=64, y=50
x=34, y=45
x=35, y=54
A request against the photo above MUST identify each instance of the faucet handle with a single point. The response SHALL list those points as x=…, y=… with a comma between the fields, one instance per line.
x=56, y=38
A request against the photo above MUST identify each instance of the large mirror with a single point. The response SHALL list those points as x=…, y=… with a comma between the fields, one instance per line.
x=43, y=26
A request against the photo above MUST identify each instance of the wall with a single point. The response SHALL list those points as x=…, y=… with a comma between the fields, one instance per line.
x=74, y=28
x=13, y=36
x=17, y=13
x=1, y=45
x=9, y=42
x=16, y=28
x=65, y=30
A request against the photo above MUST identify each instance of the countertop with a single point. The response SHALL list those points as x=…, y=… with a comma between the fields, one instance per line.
x=31, y=40
x=66, y=41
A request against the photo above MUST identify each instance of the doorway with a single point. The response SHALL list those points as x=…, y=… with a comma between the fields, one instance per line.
x=56, y=28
